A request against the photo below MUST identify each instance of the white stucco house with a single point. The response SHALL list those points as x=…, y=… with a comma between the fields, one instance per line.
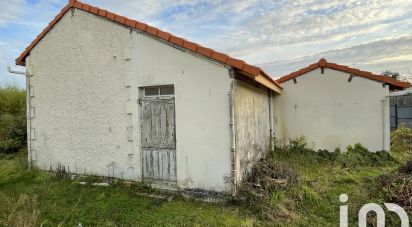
x=114, y=97
x=111, y=96
x=334, y=106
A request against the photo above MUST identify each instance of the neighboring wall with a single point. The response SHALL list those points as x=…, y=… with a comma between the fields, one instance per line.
x=87, y=73
x=334, y=113
x=252, y=125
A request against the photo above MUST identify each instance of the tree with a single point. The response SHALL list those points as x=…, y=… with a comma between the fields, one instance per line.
x=12, y=119
x=392, y=74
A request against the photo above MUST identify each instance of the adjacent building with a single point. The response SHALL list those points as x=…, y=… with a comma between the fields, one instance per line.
x=334, y=106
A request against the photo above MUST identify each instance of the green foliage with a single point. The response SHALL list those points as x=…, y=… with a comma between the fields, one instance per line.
x=401, y=146
x=360, y=156
x=324, y=176
x=12, y=119
x=392, y=74
x=293, y=186
x=356, y=155
x=298, y=144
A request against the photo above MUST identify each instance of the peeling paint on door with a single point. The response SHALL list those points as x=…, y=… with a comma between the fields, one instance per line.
x=158, y=138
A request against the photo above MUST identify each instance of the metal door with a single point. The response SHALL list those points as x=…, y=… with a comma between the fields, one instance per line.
x=158, y=138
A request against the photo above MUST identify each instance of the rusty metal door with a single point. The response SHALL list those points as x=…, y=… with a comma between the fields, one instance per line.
x=158, y=138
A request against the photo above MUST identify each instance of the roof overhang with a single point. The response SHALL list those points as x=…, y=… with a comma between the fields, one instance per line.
x=393, y=83
x=222, y=58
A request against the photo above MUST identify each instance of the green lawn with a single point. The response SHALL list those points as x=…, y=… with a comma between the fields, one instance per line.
x=35, y=197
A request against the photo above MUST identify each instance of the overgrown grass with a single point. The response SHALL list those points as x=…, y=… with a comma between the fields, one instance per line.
x=305, y=192
x=324, y=176
x=31, y=198
x=313, y=200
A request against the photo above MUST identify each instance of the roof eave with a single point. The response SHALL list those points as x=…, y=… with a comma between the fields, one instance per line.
x=196, y=48
x=364, y=74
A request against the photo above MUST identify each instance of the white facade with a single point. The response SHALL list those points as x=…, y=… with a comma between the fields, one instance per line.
x=86, y=86
x=87, y=77
x=331, y=112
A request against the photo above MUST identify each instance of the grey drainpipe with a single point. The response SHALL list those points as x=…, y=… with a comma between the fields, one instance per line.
x=233, y=130
x=27, y=112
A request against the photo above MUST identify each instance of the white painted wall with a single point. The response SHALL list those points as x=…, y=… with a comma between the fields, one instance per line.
x=333, y=113
x=87, y=73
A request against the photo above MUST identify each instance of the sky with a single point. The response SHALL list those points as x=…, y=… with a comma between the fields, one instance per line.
x=281, y=36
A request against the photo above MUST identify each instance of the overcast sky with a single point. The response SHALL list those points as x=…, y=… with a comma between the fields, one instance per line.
x=281, y=36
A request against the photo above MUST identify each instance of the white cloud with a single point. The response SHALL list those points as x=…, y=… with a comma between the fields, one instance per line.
x=10, y=11
x=256, y=30
x=377, y=56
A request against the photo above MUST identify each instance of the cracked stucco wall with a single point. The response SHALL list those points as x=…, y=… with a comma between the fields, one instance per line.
x=86, y=77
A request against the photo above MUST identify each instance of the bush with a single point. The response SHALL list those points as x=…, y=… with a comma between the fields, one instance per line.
x=298, y=144
x=355, y=156
x=401, y=143
x=12, y=119
x=361, y=156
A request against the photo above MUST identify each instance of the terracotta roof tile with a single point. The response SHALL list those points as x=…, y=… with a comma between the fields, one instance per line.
x=78, y=4
x=120, y=19
x=251, y=69
x=322, y=62
x=141, y=26
x=235, y=62
x=190, y=45
x=94, y=10
x=110, y=15
x=356, y=72
x=130, y=23
x=151, y=30
x=207, y=52
x=176, y=40
x=219, y=56
x=102, y=12
x=163, y=35
x=86, y=7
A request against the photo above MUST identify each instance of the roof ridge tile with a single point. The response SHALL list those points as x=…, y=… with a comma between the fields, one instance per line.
x=323, y=63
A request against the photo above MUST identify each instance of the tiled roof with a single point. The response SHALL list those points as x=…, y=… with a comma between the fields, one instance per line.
x=238, y=64
x=355, y=72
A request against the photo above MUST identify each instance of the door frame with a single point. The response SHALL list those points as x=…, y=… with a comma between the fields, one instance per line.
x=143, y=97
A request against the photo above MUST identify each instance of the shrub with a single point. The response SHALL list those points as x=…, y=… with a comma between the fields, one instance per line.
x=360, y=156
x=355, y=156
x=12, y=119
x=298, y=144
x=401, y=143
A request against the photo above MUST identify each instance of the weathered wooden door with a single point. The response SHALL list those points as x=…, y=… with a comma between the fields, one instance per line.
x=158, y=138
